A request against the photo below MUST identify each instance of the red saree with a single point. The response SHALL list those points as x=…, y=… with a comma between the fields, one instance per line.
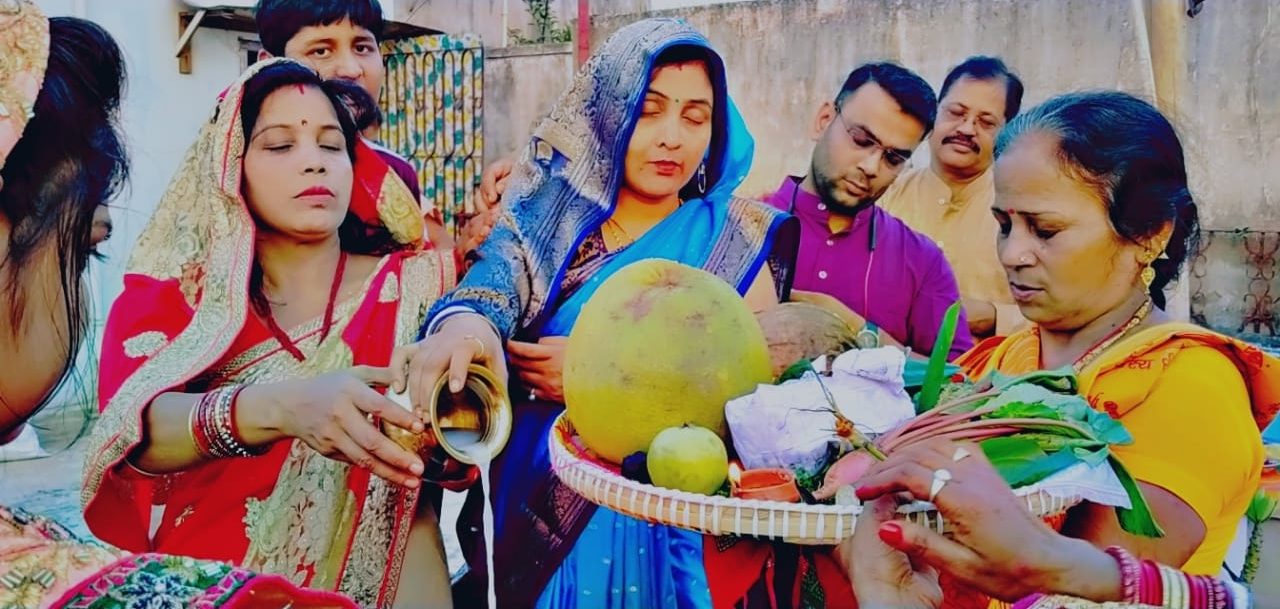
x=183, y=323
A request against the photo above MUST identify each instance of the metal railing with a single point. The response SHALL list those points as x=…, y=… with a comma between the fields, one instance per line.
x=433, y=115
x=1233, y=284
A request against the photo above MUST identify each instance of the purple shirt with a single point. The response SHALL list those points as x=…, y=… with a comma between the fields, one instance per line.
x=904, y=286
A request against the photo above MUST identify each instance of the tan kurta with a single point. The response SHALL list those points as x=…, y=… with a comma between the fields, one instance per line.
x=962, y=225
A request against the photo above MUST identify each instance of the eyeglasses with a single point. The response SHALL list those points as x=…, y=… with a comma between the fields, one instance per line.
x=863, y=139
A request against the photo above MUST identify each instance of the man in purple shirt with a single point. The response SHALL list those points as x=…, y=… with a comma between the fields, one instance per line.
x=896, y=279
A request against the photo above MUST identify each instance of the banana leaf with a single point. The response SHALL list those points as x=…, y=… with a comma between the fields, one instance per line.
x=1138, y=519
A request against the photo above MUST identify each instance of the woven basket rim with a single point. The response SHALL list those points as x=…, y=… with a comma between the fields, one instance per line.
x=798, y=523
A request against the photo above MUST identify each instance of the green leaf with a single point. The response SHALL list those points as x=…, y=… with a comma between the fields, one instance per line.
x=1062, y=380
x=1034, y=394
x=1020, y=410
x=1028, y=399
x=1021, y=461
x=1053, y=442
x=1104, y=427
x=1093, y=457
x=934, y=375
x=795, y=371
x=1138, y=519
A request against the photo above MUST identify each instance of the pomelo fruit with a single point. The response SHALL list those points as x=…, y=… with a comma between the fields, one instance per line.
x=688, y=458
x=660, y=344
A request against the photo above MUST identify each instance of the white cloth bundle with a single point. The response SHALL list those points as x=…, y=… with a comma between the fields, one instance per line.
x=791, y=425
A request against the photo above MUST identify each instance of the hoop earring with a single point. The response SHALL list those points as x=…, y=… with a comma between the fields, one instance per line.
x=702, y=178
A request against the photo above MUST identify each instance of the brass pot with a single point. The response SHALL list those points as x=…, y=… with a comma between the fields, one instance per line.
x=479, y=414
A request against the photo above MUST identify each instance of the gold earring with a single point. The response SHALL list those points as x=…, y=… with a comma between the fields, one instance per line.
x=1148, y=276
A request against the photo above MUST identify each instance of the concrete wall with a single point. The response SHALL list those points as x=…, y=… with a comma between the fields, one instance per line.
x=1231, y=114
x=520, y=85
x=485, y=18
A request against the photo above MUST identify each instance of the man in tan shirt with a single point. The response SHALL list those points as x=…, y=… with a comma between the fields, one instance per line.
x=950, y=199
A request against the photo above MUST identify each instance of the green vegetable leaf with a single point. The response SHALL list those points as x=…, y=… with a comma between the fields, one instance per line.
x=1053, y=442
x=1024, y=410
x=1093, y=457
x=1034, y=401
x=934, y=375
x=1090, y=451
x=1034, y=394
x=914, y=372
x=795, y=371
x=1138, y=519
x=1104, y=427
x=1062, y=380
x=1021, y=461
x=1108, y=429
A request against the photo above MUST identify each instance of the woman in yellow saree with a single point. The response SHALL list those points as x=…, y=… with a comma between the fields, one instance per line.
x=1096, y=219
x=238, y=364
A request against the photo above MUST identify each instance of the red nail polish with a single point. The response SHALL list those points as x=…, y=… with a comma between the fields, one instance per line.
x=891, y=533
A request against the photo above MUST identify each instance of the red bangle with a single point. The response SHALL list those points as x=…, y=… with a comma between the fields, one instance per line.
x=196, y=421
x=214, y=429
x=241, y=447
x=1130, y=573
x=1150, y=592
x=1199, y=592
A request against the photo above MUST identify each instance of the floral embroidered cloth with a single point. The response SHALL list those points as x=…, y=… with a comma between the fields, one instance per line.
x=42, y=564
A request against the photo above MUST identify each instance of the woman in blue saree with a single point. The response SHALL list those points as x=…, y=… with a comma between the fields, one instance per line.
x=638, y=160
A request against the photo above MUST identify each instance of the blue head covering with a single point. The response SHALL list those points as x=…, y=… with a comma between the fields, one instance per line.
x=567, y=182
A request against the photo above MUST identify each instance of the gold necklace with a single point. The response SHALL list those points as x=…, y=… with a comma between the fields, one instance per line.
x=1111, y=339
x=620, y=236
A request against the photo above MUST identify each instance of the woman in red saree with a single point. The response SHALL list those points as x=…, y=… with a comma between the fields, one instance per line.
x=237, y=368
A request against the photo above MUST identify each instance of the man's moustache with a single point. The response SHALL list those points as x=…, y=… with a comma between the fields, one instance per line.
x=962, y=140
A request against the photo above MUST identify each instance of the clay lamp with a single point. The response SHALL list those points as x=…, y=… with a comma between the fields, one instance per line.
x=769, y=484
